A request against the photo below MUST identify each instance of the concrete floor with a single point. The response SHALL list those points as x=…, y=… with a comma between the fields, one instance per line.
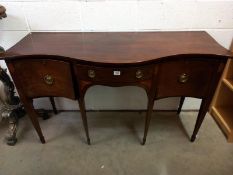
x=116, y=148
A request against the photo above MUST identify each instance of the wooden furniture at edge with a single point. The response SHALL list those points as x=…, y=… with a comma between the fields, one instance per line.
x=165, y=64
x=222, y=105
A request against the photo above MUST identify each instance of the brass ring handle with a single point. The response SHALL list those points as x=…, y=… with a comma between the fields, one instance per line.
x=139, y=74
x=183, y=78
x=91, y=73
x=48, y=79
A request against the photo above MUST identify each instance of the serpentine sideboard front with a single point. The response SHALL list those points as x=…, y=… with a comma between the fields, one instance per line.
x=165, y=64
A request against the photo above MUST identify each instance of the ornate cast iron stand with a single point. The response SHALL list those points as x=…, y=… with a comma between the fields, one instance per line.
x=11, y=107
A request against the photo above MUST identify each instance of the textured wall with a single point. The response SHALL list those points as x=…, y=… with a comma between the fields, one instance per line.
x=24, y=16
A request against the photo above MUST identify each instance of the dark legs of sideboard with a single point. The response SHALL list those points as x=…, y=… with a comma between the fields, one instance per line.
x=180, y=105
x=201, y=115
x=147, y=119
x=84, y=117
x=53, y=104
x=28, y=105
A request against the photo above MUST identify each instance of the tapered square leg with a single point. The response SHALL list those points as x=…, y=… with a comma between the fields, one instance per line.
x=201, y=115
x=181, y=104
x=147, y=119
x=84, y=118
x=28, y=105
x=53, y=104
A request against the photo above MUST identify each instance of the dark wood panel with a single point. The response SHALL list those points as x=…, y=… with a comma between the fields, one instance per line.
x=44, y=77
x=185, y=78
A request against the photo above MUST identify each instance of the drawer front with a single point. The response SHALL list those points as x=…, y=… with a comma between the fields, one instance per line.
x=185, y=78
x=120, y=74
x=44, y=77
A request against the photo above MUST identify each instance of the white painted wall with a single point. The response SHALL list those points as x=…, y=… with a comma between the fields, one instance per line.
x=24, y=16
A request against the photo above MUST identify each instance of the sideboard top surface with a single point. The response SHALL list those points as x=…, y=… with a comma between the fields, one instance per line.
x=116, y=47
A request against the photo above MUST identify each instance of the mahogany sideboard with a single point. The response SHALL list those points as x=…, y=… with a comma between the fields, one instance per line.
x=165, y=64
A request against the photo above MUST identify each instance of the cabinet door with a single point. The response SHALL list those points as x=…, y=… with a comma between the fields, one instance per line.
x=185, y=78
x=44, y=77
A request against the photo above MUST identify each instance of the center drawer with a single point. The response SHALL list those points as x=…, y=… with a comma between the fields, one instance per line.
x=118, y=74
